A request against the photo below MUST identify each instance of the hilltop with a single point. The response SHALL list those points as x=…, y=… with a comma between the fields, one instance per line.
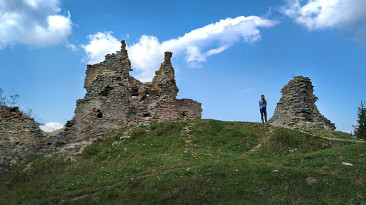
x=196, y=162
x=115, y=99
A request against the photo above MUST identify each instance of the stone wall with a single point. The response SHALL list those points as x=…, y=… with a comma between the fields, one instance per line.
x=20, y=138
x=114, y=99
x=297, y=106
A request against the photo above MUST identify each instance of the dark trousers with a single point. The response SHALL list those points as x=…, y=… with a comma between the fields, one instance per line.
x=263, y=113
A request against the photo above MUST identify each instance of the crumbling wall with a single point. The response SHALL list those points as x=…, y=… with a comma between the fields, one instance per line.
x=114, y=99
x=297, y=106
x=20, y=138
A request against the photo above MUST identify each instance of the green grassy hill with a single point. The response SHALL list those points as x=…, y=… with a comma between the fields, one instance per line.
x=197, y=162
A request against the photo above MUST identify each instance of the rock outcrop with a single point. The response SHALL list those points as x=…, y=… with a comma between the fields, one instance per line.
x=114, y=99
x=297, y=106
x=20, y=138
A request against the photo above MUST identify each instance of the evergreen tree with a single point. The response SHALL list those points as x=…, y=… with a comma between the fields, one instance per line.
x=360, y=128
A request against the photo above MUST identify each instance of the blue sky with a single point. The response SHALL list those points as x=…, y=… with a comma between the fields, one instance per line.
x=226, y=53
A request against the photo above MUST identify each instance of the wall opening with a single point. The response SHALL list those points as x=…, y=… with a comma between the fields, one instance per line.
x=106, y=91
x=98, y=112
x=134, y=93
x=147, y=114
x=100, y=115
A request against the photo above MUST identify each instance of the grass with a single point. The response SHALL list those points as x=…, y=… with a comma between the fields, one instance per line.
x=213, y=162
x=331, y=134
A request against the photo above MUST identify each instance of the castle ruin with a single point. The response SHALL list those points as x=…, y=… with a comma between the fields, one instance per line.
x=297, y=106
x=114, y=99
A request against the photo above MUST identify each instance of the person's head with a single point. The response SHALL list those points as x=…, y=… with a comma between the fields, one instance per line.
x=262, y=98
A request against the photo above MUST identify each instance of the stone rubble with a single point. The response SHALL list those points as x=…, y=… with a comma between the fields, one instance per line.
x=347, y=164
x=297, y=106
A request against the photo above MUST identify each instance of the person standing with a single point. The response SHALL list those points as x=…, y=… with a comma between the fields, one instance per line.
x=263, y=108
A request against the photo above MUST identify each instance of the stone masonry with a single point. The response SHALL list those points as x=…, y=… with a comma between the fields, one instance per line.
x=114, y=99
x=297, y=106
x=20, y=138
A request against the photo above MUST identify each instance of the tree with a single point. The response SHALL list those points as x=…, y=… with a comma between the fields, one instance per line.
x=3, y=100
x=360, y=128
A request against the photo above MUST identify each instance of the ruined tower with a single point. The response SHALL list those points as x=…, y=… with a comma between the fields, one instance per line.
x=297, y=106
x=114, y=99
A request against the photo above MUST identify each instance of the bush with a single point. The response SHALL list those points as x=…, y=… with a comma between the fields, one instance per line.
x=168, y=129
x=90, y=151
x=138, y=132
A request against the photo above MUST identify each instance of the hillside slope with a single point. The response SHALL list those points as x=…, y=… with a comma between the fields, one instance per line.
x=196, y=162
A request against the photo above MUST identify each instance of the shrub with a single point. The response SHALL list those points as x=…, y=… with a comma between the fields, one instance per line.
x=138, y=132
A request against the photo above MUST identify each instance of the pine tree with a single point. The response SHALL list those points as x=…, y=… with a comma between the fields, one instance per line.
x=360, y=128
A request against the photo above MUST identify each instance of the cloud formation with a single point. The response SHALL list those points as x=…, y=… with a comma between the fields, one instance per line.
x=33, y=22
x=99, y=45
x=51, y=126
x=325, y=14
x=195, y=46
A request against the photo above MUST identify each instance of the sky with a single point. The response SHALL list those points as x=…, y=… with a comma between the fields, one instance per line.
x=226, y=52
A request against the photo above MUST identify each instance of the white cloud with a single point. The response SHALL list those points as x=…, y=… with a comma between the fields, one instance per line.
x=146, y=56
x=195, y=46
x=99, y=45
x=71, y=46
x=51, y=126
x=322, y=14
x=33, y=22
